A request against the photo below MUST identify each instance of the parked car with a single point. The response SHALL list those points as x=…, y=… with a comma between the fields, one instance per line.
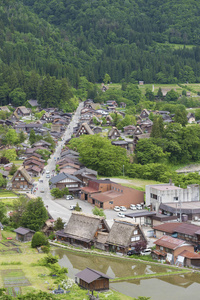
x=133, y=206
x=133, y=252
x=42, y=190
x=121, y=215
x=22, y=157
x=146, y=251
x=69, y=197
x=48, y=176
x=40, y=180
x=72, y=207
x=123, y=208
x=138, y=206
x=117, y=208
x=47, y=172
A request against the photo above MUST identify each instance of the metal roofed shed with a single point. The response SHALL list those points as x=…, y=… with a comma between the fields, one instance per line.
x=24, y=234
x=93, y=280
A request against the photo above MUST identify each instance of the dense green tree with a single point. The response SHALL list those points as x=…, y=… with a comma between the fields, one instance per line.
x=181, y=117
x=32, y=137
x=157, y=128
x=34, y=215
x=10, y=154
x=19, y=207
x=100, y=154
x=22, y=137
x=149, y=95
x=17, y=97
x=39, y=239
x=106, y=79
x=172, y=95
x=147, y=152
x=159, y=93
x=59, y=224
x=13, y=169
x=11, y=137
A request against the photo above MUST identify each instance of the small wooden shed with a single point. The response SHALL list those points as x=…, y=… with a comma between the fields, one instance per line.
x=24, y=234
x=92, y=280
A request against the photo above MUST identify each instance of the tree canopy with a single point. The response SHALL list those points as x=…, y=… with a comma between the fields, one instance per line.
x=100, y=154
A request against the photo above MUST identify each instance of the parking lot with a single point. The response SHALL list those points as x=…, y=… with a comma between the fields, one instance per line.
x=87, y=208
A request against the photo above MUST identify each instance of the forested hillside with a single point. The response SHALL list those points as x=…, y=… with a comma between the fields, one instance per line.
x=125, y=38
x=47, y=46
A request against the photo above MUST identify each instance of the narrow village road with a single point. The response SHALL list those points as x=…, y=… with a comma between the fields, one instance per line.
x=55, y=209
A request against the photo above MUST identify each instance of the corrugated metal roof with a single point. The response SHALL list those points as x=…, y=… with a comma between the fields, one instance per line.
x=169, y=242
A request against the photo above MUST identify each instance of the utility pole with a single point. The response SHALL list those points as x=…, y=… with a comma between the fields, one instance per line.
x=123, y=170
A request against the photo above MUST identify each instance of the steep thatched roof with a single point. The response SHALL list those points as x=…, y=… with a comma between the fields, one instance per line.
x=86, y=128
x=121, y=233
x=83, y=226
x=114, y=131
x=24, y=173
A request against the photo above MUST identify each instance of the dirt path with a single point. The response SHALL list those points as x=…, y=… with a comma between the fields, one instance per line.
x=189, y=169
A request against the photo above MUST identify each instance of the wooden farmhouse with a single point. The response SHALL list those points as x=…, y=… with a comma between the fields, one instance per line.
x=92, y=280
x=114, y=133
x=21, y=180
x=22, y=111
x=124, y=235
x=24, y=234
x=84, y=129
x=83, y=230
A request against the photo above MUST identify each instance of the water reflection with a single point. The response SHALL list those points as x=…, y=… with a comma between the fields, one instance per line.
x=167, y=287
x=111, y=266
x=173, y=287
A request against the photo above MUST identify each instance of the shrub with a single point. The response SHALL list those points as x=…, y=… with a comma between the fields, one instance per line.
x=52, y=236
x=39, y=239
x=45, y=249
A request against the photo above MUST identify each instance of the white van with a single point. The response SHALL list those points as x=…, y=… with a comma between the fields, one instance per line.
x=146, y=251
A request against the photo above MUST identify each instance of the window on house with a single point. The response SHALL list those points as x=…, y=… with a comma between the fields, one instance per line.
x=135, y=232
x=137, y=238
x=111, y=202
x=175, y=198
x=121, y=191
x=161, y=248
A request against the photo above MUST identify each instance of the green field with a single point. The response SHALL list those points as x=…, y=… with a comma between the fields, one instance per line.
x=5, y=193
x=157, y=86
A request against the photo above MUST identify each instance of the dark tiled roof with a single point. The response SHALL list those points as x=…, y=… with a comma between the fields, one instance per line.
x=88, y=275
x=23, y=231
x=62, y=176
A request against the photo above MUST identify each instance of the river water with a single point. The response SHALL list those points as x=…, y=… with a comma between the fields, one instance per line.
x=172, y=287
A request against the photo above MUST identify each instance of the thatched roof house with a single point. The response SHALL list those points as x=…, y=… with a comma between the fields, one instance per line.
x=82, y=229
x=124, y=235
x=114, y=133
x=21, y=179
x=84, y=129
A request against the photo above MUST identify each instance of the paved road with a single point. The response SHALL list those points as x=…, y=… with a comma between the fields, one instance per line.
x=54, y=208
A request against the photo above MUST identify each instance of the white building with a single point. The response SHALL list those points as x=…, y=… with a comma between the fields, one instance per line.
x=169, y=193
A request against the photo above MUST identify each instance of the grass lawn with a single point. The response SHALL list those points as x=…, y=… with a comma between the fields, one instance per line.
x=5, y=193
x=135, y=183
x=28, y=263
x=17, y=162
